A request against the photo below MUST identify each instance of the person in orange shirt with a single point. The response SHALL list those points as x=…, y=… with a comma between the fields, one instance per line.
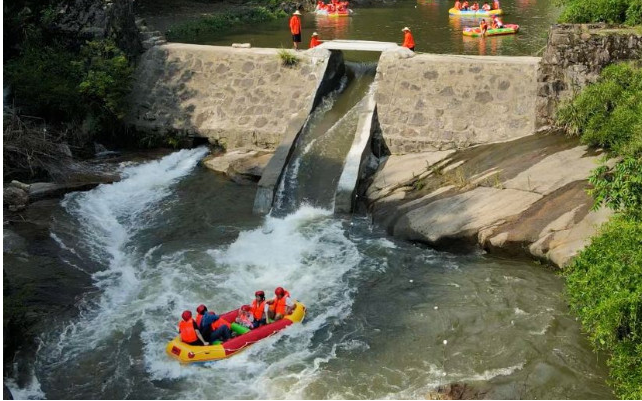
x=408, y=40
x=314, y=40
x=295, y=29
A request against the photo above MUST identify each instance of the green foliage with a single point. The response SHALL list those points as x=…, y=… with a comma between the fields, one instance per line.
x=634, y=13
x=584, y=11
x=604, y=285
x=620, y=187
x=44, y=80
x=288, y=58
x=189, y=31
x=609, y=112
x=107, y=79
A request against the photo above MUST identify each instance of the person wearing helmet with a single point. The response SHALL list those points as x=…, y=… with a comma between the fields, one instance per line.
x=213, y=327
x=281, y=305
x=245, y=317
x=259, y=309
x=188, y=330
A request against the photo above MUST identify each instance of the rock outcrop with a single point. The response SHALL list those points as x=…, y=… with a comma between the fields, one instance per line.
x=525, y=196
x=243, y=166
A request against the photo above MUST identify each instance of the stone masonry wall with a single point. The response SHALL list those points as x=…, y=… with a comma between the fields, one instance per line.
x=236, y=97
x=435, y=102
x=575, y=55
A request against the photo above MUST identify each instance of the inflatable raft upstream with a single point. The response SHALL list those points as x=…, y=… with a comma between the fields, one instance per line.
x=508, y=29
x=186, y=353
x=474, y=14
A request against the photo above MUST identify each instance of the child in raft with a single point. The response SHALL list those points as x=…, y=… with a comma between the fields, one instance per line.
x=497, y=23
x=245, y=317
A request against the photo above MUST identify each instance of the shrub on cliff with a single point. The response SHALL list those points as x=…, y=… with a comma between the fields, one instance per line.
x=604, y=284
x=610, y=11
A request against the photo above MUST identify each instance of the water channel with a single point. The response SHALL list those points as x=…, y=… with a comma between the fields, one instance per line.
x=386, y=319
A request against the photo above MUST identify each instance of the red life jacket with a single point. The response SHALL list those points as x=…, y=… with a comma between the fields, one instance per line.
x=279, y=306
x=314, y=42
x=186, y=329
x=199, y=317
x=408, y=40
x=220, y=322
x=257, y=309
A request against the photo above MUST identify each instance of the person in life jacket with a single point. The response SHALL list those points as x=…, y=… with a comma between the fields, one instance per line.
x=314, y=40
x=244, y=317
x=475, y=6
x=259, y=309
x=495, y=4
x=464, y=5
x=213, y=327
x=486, y=6
x=408, y=40
x=282, y=305
x=295, y=29
x=188, y=330
x=483, y=27
x=458, y=5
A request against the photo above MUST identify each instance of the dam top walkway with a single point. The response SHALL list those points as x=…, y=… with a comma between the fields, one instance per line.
x=363, y=45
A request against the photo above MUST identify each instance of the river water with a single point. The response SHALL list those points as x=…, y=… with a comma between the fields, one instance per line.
x=173, y=234
x=433, y=29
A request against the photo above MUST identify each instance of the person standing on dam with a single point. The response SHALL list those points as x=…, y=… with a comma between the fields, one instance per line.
x=295, y=29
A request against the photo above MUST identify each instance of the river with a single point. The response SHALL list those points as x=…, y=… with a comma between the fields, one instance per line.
x=379, y=310
x=433, y=29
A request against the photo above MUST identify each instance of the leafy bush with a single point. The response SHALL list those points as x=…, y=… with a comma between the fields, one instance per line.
x=634, y=13
x=287, y=58
x=619, y=188
x=609, y=112
x=611, y=11
x=604, y=284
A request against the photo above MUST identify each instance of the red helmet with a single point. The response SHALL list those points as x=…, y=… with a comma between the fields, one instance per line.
x=187, y=315
x=259, y=294
x=245, y=308
x=279, y=291
x=201, y=309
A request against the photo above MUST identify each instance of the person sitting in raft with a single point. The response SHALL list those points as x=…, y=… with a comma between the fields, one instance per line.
x=408, y=40
x=213, y=327
x=475, y=6
x=457, y=5
x=281, y=306
x=314, y=40
x=486, y=6
x=495, y=4
x=464, y=5
x=245, y=317
x=259, y=309
x=483, y=27
x=188, y=330
x=497, y=23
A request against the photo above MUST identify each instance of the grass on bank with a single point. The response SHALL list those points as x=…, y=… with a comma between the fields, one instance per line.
x=190, y=30
x=604, y=283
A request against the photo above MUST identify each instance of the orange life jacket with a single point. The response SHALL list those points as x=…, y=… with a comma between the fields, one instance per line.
x=186, y=329
x=314, y=42
x=408, y=40
x=219, y=322
x=278, y=306
x=199, y=317
x=257, y=309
